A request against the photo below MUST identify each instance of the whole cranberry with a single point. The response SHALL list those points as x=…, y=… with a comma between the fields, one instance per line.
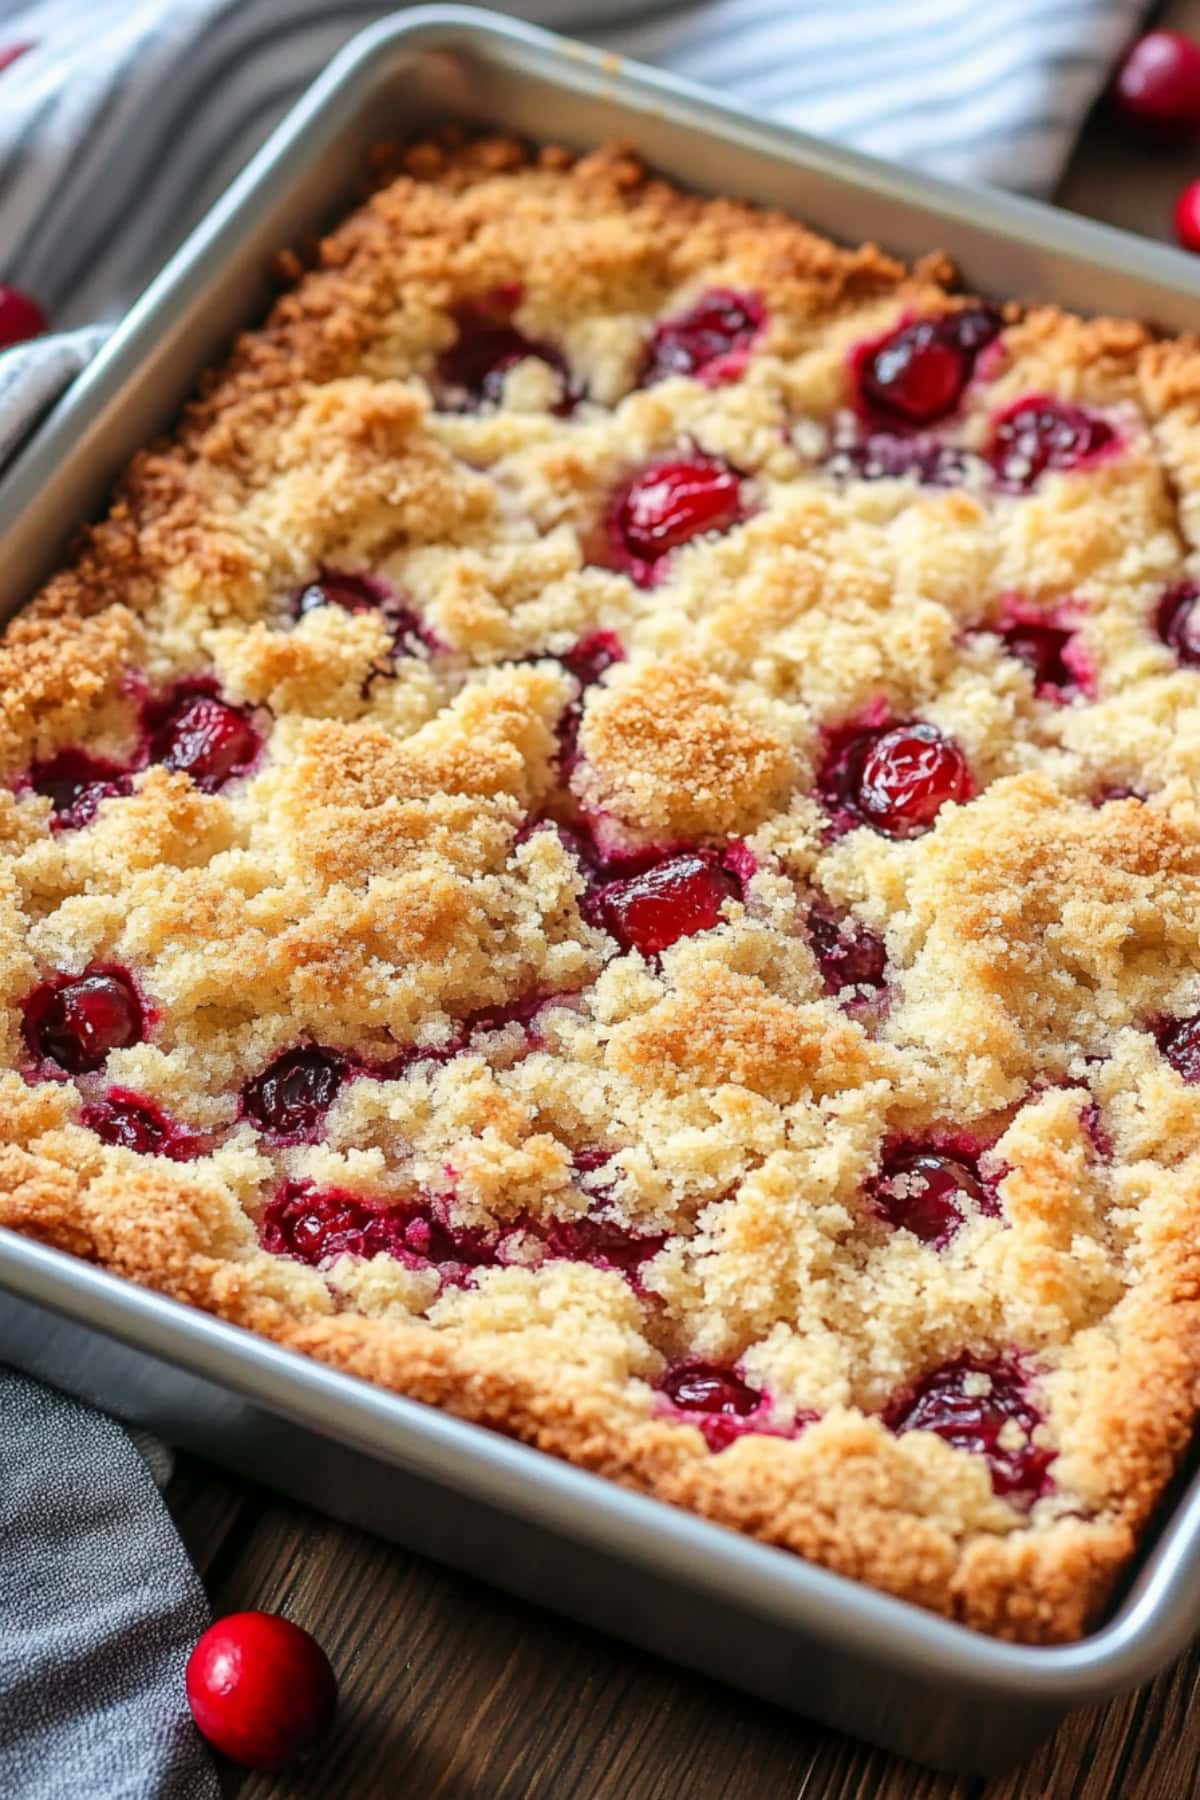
x=75, y=1020
x=261, y=1690
x=1157, y=90
x=21, y=318
x=1187, y=217
x=899, y=779
x=1178, y=622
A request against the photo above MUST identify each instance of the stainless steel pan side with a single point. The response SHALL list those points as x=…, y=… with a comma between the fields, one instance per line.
x=765, y=1621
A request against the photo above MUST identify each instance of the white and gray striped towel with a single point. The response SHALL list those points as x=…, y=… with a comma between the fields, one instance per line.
x=124, y=118
x=118, y=125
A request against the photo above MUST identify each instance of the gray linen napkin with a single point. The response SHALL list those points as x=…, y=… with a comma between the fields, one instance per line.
x=99, y=1609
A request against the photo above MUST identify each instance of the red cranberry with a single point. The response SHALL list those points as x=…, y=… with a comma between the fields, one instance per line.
x=716, y=1399
x=917, y=373
x=1178, y=622
x=1186, y=217
x=671, y=900
x=353, y=593
x=203, y=736
x=317, y=1224
x=882, y=456
x=897, y=780
x=75, y=782
x=132, y=1122
x=488, y=345
x=261, y=1690
x=709, y=341
x=1041, y=646
x=1157, y=89
x=75, y=1020
x=290, y=1098
x=1043, y=433
x=930, y=1194
x=976, y=1421
x=666, y=506
x=21, y=318
x=848, y=955
x=587, y=661
x=1179, y=1042
x=603, y=1243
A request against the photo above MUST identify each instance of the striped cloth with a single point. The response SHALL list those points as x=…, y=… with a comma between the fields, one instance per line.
x=125, y=118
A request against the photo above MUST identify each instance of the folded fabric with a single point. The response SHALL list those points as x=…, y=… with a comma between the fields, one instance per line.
x=99, y=1608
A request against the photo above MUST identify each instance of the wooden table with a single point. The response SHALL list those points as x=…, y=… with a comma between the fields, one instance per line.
x=454, y=1692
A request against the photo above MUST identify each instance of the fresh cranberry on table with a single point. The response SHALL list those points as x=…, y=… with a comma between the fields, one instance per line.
x=716, y=1399
x=290, y=1098
x=708, y=341
x=1041, y=433
x=133, y=1122
x=917, y=374
x=1177, y=622
x=848, y=955
x=75, y=782
x=974, y=1404
x=75, y=1020
x=673, y=899
x=21, y=318
x=488, y=345
x=667, y=505
x=1179, y=1041
x=1186, y=217
x=896, y=779
x=1157, y=87
x=261, y=1690
x=197, y=733
x=930, y=1193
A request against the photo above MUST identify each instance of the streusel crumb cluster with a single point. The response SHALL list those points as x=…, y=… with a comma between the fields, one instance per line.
x=609, y=838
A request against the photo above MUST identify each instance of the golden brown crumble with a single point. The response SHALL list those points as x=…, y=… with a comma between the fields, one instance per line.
x=395, y=879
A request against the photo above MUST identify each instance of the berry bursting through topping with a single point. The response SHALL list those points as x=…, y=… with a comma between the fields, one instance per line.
x=709, y=341
x=667, y=505
x=673, y=899
x=931, y=1194
x=917, y=374
x=488, y=346
x=981, y=1407
x=75, y=782
x=133, y=1122
x=715, y=1399
x=74, y=1021
x=290, y=1098
x=1043, y=433
x=199, y=734
x=894, y=778
x=1178, y=623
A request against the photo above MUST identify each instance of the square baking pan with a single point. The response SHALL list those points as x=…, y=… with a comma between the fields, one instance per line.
x=690, y=1590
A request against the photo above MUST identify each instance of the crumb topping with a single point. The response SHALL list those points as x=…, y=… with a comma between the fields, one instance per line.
x=608, y=837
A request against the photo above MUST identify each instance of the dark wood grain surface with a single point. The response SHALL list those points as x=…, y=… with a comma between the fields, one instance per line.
x=452, y=1691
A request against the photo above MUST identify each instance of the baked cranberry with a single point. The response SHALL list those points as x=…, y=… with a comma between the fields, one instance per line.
x=75, y=1020
x=21, y=318
x=708, y=341
x=75, y=782
x=201, y=735
x=472, y=371
x=1043, y=433
x=848, y=955
x=1044, y=649
x=290, y=1098
x=896, y=779
x=1178, y=622
x=930, y=1194
x=916, y=374
x=603, y=1243
x=261, y=1690
x=671, y=900
x=973, y=1405
x=133, y=1122
x=1157, y=89
x=882, y=456
x=317, y=1224
x=666, y=506
x=587, y=661
x=333, y=587
x=715, y=1399
x=1179, y=1041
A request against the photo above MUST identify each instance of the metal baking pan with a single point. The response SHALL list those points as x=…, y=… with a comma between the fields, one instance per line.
x=752, y=1615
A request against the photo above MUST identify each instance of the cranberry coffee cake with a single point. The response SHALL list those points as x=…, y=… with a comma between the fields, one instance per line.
x=609, y=837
